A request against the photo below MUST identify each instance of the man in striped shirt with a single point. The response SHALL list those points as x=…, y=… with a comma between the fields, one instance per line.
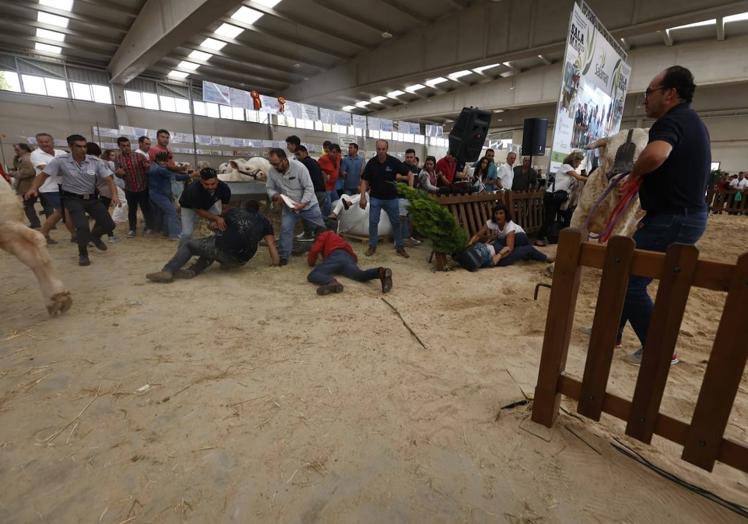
x=133, y=169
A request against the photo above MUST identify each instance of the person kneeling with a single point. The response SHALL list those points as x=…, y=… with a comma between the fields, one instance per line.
x=232, y=247
x=338, y=258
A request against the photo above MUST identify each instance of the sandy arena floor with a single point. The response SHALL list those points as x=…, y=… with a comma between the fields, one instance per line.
x=244, y=397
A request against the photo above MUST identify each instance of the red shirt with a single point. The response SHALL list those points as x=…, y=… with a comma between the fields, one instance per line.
x=447, y=166
x=156, y=149
x=330, y=168
x=326, y=243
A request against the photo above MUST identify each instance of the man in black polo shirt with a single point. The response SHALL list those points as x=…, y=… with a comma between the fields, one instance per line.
x=674, y=171
x=380, y=174
x=232, y=247
x=205, y=199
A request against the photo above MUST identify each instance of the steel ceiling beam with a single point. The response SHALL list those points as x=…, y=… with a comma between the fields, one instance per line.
x=86, y=20
x=14, y=36
x=81, y=38
x=285, y=38
x=224, y=61
x=160, y=27
x=354, y=17
x=416, y=17
x=324, y=30
x=270, y=51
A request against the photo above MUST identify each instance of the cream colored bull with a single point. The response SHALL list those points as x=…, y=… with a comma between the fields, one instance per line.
x=30, y=247
x=598, y=182
x=244, y=170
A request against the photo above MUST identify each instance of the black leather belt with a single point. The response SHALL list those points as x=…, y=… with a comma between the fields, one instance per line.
x=88, y=196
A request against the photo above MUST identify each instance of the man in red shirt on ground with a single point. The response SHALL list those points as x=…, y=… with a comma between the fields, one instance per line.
x=338, y=258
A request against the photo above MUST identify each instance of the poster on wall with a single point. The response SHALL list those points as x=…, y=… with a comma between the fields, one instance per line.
x=240, y=98
x=595, y=79
x=270, y=104
x=310, y=112
x=216, y=93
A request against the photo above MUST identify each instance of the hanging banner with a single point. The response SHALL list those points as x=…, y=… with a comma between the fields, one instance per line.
x=240, y=98
x=310, y=112
x=359, y=121
x=434, y=131
x=595, y=79
x=270, y=104
x=294, y=109
x=216, y=93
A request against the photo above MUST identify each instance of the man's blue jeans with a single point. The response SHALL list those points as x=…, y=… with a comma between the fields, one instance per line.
x=189, y=218
x=340, y=262
x=392, y=208
x=656, y=234
x=168, y=212
x=311, y=215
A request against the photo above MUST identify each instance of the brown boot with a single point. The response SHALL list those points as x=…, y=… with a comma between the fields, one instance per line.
x=370, y=251
x=401, y=251
x=162, y=277
x=184, y=274
x=332, y=287
x=385, y=276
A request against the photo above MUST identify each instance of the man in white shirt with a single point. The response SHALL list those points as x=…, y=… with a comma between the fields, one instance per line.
x=144, y=145
x=506, y=172
x=743, y=182
x=49, y=192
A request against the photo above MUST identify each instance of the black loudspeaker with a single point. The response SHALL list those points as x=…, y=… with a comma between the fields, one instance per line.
x=469, y=134
x=533, y=136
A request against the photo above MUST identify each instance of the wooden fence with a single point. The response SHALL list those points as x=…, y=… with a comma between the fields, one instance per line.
x=677, y=270
x=725, y=202
x=472, y=211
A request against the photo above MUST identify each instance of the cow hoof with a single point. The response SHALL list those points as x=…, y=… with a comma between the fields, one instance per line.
x=60, y=302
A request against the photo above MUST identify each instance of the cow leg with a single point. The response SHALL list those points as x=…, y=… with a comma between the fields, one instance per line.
x=30, y=248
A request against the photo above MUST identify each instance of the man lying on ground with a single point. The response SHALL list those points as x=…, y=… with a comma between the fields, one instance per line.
x=338, y=258
x=232, y=247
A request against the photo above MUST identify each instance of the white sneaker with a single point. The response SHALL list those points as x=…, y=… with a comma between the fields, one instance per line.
x=130, y=234
x=113, y=239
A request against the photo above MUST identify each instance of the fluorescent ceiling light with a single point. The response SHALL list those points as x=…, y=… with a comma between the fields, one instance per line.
x=268, y=3
x=498, y=110
x=46, y=18
x=458, y=74
x=485, y=67
x=348, y=108
x=434, y=81
x=48, y=48
x=199, y=55
x=228, y=30
x=50, y=35
x=63, y=5
x=362, y=103
x=395, y=93
x=177, y=74
x=414, y=88
x=736, y=18
x=247, y=15
x=215, y=45
x=378, y=99
x=189, y=66
x=696, y=24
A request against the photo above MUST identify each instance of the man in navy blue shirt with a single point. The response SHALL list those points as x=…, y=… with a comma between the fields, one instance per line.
x=380, y=175
x=674, y=171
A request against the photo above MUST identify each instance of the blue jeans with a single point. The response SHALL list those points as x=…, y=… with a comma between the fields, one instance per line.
x=289, y=218
x=392, y=208
x=656, y=234
x=167, y=211
x=523, y=250
x=189, y=217
x=340, y=262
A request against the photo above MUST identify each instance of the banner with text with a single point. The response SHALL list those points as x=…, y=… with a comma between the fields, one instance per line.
x=595, y=78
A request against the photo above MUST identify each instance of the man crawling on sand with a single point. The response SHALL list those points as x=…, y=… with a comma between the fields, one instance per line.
x=338, y=258
x=231, y=247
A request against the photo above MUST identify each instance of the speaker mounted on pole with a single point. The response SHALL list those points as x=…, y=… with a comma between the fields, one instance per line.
x=469, y=134
x=534, y=132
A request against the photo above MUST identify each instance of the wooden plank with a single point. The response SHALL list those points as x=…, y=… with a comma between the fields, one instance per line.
x=472, y=219
x=558, y=326
x=670, y=304
x=613, y=285
x=709, y=274
x=730, y=452
x=723, y=374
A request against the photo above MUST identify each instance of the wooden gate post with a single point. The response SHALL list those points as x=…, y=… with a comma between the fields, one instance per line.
x=558, y=326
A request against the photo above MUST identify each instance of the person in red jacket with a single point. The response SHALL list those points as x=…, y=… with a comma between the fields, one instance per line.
x=338, y=258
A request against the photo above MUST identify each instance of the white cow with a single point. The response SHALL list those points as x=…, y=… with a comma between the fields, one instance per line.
x=244, y=170
x=355, y=220
x=598, y=182
x=30, y=247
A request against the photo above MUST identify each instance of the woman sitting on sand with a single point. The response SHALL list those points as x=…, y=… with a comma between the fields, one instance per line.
x=501, y=242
